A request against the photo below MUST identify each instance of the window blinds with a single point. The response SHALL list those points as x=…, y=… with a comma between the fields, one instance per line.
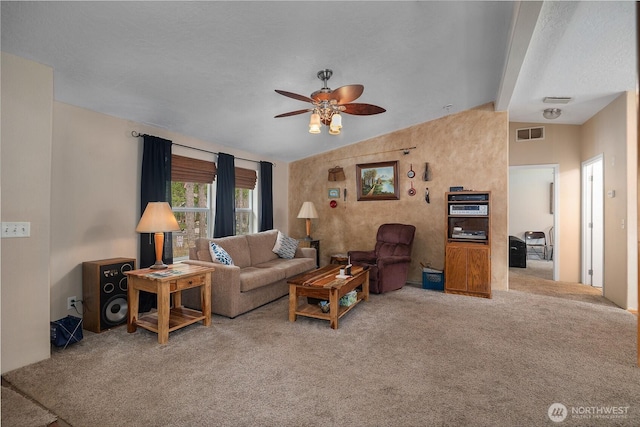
x=187, y=169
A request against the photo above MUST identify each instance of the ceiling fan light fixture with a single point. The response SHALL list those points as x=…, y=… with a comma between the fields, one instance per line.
x=551, y=113
x=314, y=123
x=328, y=104
x=336, y=124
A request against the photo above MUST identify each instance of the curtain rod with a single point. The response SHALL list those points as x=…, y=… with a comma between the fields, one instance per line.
x=405, y=151
x=138, y=134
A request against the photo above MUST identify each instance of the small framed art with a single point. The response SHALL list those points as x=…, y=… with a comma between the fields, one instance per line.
x=334, y=193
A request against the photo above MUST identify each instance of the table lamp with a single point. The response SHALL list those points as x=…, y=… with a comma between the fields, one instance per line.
x=158, y=218
x=308, y=211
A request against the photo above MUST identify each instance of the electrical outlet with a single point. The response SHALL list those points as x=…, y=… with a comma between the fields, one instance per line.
x=70, y=302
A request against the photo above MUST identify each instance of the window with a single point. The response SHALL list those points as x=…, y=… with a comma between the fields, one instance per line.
x=245, y=216
x=190, y=202
x=245, y=213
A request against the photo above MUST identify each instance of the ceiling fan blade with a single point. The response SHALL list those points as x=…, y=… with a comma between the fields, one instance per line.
x=295, y=96
x=362, y=109
x=347, y=93
x=293, y=113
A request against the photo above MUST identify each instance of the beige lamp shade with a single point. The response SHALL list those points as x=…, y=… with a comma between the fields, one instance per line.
x=158, y=218
x=308, y=211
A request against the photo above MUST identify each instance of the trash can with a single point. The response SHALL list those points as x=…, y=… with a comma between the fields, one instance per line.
x=432, y=279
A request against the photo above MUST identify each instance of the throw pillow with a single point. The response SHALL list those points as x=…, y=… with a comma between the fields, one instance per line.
x=285, y=246
x=219, y=254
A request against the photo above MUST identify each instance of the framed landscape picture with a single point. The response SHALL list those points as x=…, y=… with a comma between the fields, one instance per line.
x=334, y=193
x=377, y=181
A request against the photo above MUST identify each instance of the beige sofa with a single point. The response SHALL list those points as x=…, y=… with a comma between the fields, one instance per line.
x=257, y=277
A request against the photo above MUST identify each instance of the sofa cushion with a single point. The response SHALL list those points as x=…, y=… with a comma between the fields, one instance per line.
x=260, y=245
x=254, y=277
x=285, y=246
x=238, y=248
x=291, y=267
x=219, y=254
x=204, y=256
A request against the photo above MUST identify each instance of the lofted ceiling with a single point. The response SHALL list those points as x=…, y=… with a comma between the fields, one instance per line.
x=209, y=69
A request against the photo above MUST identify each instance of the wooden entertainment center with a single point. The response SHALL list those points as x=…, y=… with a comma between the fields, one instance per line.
x=468, y=243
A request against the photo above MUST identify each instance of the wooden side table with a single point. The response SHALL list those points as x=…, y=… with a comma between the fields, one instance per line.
x=339, y=259
x=304, y=243
x=163, y=283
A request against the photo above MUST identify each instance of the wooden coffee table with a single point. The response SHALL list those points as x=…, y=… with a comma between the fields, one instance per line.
x=323, y=284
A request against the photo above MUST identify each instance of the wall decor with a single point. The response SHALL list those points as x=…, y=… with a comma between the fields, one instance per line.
x=336, y=174
x=334, y=193
x=377, y=181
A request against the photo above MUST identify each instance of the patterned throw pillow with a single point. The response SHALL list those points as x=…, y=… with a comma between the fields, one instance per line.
x=220, y=255
x=285, y=246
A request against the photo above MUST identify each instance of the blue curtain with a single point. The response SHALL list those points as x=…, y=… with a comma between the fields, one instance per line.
x=225, y=196
x=266, y=196
x=155, y=186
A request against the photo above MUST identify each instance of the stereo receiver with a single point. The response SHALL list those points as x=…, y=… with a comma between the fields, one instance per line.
x=468, y=210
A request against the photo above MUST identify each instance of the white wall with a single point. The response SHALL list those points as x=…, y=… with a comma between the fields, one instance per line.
x=530, y=200
x=27, y=95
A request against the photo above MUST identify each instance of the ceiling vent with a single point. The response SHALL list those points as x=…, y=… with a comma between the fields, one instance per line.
x=530, y=134
x=557, y=99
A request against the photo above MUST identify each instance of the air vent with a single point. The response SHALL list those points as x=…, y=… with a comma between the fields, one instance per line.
x=557, y=99
x=530, y=134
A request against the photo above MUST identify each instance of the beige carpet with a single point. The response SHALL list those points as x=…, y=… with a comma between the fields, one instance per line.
x=536, y=279
x=408, y=358
x=18, y=411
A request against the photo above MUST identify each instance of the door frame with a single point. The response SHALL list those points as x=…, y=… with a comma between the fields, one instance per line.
x=555, y=197
x=585, y=207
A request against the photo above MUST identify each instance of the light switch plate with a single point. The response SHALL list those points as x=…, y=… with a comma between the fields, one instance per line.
x=16, y=229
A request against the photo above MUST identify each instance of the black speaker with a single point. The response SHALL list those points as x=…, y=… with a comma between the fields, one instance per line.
x=104, y=292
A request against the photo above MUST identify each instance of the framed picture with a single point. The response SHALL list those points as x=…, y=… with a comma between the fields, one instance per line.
x=377, y=181
x=334, y=193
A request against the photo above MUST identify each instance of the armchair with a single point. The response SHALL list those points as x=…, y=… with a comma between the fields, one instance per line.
x=389, y=262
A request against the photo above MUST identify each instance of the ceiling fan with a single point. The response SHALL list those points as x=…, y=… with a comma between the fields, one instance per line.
x=328, y=104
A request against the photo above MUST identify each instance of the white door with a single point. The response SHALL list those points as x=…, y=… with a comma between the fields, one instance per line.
x=593, y=222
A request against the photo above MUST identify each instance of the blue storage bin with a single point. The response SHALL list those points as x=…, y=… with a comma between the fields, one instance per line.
x=432, y=279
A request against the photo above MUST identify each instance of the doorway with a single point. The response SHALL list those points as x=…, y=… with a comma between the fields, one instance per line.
x=593, y=222
x=533, y=206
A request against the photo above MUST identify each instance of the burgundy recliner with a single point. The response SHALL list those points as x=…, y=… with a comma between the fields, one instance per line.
x=389, y=262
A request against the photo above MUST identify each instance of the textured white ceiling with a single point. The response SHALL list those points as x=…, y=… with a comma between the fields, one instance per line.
x=209, y=69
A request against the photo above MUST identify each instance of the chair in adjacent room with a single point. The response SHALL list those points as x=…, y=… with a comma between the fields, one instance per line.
x=389, y=261
x=536, y=243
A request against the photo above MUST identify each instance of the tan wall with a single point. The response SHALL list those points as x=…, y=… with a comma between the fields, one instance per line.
x=612, y=133
x=96, y=192
x=27, y=96
x=467, y=149
x=560, y=146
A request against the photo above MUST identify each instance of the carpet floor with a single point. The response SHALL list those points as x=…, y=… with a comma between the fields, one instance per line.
x=407, y=358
